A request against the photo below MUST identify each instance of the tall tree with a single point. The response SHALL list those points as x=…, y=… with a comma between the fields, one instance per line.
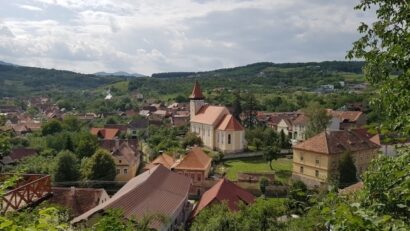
x=51, y=127
x=66, y=168
x=271, y=153
x=87, y=144
x=318, y=119
x=385, y=46
x=100, y=166
x=236, y=106
x=5, y=145
x=250, y=108
x=347, y=170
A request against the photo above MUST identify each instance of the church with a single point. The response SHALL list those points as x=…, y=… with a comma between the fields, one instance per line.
x=216, y=126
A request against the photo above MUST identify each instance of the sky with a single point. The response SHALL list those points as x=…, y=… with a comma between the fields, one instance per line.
x=150, y=36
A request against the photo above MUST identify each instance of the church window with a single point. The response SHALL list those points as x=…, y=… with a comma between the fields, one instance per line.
x=222, y=138
x=229, y=138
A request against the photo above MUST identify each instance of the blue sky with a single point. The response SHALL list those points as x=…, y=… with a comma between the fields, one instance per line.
x=148, y=36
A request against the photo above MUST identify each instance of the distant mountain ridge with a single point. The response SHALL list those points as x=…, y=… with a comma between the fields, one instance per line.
x=119, y=73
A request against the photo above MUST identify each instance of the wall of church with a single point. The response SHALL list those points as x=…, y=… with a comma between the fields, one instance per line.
x=229, y=141
x=206, y=132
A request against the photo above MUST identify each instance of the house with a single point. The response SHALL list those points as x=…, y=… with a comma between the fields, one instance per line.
x=165, y=160
x=18, y=154
x=157, y=191
x=349, y=119
x=105, y=133
x=78, y=200
x=316, y=159
x=159, y=115
x=179, y=120
x=224, y=191
x=137, y=125
x=196, y=165
x=217, y=128
x=144, y=113
x=123, y=128
x=126, y=156
x=285, y=125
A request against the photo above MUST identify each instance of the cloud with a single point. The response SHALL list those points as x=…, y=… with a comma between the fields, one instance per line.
x=29, y=7
x=181, y=35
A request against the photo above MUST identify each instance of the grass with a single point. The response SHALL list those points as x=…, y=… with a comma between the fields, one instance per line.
x=282, y=167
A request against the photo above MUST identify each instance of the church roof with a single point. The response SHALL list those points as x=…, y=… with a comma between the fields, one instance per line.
x=210, y=114
x=196, y=92
x=229, y=123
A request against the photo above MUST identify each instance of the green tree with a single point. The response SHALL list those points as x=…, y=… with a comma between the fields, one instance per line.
x=385, y=46
x=87, y=144
x=100, y=166
x=5, y=145
x=318, y=119
x=71, y=123
x=298, y=198
x=2, y=120
x=191, y=139
x=66, y=167
x=249, y=108
x=347, y=170
x=236, y=106
x=271, y=153
x=51, y=127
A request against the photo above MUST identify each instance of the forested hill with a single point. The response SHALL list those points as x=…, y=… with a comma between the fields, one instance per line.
x=258, y=77
x=257, y=68
x=23, y=81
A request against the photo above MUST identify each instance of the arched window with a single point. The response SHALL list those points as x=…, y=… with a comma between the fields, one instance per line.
x=229, y=138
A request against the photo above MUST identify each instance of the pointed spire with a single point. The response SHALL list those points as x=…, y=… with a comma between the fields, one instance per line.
x=196, y=92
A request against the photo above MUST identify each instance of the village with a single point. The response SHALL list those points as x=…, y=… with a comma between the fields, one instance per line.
x=217, y=164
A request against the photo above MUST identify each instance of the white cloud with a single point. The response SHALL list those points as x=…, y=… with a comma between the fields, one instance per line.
x=180, y=35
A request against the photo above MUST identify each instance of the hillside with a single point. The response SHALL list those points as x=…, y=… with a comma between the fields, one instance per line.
x=258, y=77
x=23, y=81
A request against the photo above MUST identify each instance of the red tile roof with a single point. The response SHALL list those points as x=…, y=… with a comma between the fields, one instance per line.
x=224, y=191
x=196, y=159
x=334, y=142
x=229, y=123
x=352, y=188
x=350, y=116
x=156, y=191
x=106, y=133
x=78, y=200
x=164, y=159
x=196, y=92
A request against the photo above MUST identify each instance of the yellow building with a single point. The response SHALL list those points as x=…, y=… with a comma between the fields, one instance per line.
x=218, y=129
x=316, y=159
x=127, y=161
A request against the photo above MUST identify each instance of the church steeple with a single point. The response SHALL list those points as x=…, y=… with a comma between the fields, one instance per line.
x=196, y=92
x=197, y=100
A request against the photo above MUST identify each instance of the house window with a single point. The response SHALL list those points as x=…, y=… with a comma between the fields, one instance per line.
x=301, y=169
x=317, y=173
x=229, y=138
x=118, y=171
x=125, y=171
x=317, y=161
x=199, y=177
x=301, y=158
x=119, y=161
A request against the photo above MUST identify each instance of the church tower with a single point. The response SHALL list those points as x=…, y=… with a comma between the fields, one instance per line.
x=196, y=100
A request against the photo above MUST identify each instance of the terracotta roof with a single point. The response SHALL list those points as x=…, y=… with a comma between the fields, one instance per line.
x=196, y=159
x=229, y=123
x=196, y=92
x=79, y=200
x=301, y=119
x=222, y=191
x=350, y=116
x=106, y=133
x=363, y=132
x=334, y=142
x=156, y=191
x=209, y=114
x=20, y=153
x=164, y=159
x=121, y=127
x=128, y=152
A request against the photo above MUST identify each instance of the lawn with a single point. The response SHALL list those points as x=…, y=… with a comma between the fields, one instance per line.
x=282, y=167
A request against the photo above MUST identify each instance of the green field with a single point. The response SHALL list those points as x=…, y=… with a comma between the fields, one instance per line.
x=282, y=167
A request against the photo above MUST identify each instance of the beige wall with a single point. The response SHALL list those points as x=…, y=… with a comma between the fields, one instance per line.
x=236, y=144
x=325, y=165
x=205, y=132
x=123, y=166
x=283, y=126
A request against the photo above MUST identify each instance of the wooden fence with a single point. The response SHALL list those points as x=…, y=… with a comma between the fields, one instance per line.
x=32, y=189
